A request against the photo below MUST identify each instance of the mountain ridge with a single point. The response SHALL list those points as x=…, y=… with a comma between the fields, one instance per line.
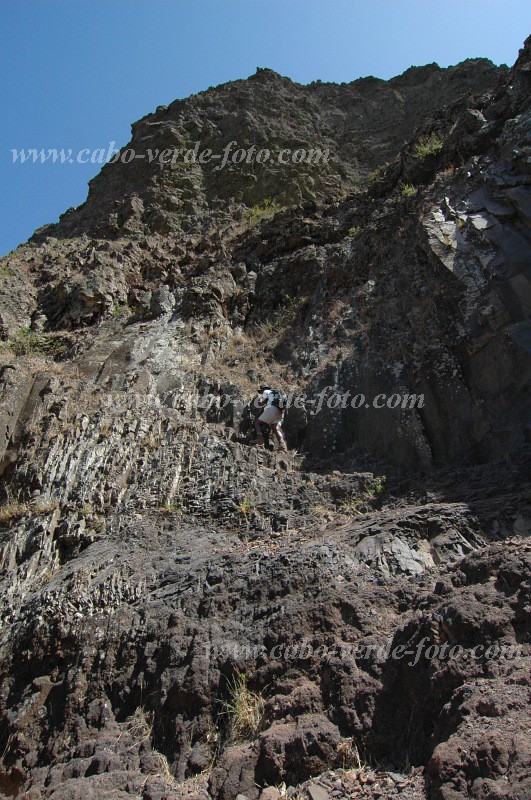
x=233, y=97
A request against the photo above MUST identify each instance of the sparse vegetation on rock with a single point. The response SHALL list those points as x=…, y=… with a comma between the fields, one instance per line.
x=428, y=146
x=184, y=615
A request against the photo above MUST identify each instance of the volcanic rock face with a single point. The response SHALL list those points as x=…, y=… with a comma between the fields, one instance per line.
x=362, y=124
x=184, y=615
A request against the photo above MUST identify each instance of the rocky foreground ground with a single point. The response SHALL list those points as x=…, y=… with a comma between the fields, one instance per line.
x=186, y=616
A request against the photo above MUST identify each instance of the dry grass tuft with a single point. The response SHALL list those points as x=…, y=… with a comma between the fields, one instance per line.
x=245, y=710
x=161, y=767
x=139, y=726
x=44, y=507
x=349, y=755
x=140, y=729
x=12, y=511
x=151, y=442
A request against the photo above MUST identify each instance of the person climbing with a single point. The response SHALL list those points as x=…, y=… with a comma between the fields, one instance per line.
x=271, y=405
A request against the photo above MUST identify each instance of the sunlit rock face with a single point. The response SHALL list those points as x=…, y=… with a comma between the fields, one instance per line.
x=184, y=615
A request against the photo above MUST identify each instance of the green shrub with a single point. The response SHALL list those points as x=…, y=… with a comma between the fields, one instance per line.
x=26, y=342
x=407, y=190
x=428, y=146
x=245, y=507
x=381, y=480
x=265, y=209
x=376, y=174
x=121, y=310
x=171, y=508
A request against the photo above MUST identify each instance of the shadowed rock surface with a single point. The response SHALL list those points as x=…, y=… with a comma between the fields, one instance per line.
x=363, y=599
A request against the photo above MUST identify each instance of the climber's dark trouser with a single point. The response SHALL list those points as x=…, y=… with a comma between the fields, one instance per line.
x=276, y=429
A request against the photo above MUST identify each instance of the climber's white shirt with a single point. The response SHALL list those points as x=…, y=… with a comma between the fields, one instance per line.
x=271, y=413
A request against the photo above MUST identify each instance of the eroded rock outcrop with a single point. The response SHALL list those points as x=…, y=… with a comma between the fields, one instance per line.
x=152, y=564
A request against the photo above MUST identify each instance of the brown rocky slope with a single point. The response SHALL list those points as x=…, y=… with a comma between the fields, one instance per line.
x=159, y=576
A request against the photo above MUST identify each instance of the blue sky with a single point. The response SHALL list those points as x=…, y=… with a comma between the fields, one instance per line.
x=77, y=73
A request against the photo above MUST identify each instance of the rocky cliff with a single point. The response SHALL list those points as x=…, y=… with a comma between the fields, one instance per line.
x=183, y=615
